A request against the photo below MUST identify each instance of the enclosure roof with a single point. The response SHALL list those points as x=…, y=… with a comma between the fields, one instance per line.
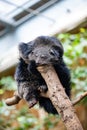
x=62, y=16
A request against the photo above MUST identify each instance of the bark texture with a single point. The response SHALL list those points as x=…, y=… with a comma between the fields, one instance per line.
x=13, y=100
x=59, y=98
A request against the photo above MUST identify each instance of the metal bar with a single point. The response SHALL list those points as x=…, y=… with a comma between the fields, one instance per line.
x=35, y=12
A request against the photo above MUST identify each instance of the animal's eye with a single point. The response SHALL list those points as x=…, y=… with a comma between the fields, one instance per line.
x=52, y=52
x=32, y=52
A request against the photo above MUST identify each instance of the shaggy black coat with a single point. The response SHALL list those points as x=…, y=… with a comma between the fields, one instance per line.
x=43, y=50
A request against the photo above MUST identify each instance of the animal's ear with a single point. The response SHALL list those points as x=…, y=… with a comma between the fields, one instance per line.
x=24, y=50
x=58, y=50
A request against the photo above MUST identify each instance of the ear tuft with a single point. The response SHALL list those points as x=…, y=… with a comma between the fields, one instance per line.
x=22, y=47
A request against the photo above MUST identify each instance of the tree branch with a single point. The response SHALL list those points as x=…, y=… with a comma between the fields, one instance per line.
x=13, y=100
x=74, y=102
x=59, y=98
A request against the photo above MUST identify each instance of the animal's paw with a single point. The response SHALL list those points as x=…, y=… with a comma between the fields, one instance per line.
x=42, y=89
x=32, y=102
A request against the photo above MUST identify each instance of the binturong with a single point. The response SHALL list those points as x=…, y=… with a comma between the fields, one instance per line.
x=43, y=50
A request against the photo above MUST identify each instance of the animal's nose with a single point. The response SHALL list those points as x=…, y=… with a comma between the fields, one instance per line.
x=43, y=56
x=37, y=60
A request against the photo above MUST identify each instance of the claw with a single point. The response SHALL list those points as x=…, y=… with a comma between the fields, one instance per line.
x=32, y=103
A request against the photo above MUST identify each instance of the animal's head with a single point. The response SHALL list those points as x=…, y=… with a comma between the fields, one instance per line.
x=43, y=50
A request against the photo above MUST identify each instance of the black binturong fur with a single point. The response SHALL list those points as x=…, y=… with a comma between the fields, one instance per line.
x=41, y=51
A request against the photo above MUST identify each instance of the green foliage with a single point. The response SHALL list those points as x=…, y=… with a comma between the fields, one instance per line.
x=50, y=121
x=5, y=113
x=74, y=45
x=7, y=83
x=24, y=119
x=75, y=56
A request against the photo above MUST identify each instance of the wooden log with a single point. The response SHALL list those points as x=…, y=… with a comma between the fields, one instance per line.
x=13, y=100
x=59, y=98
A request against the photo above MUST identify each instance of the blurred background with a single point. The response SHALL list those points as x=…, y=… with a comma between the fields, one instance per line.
x=24, y=20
